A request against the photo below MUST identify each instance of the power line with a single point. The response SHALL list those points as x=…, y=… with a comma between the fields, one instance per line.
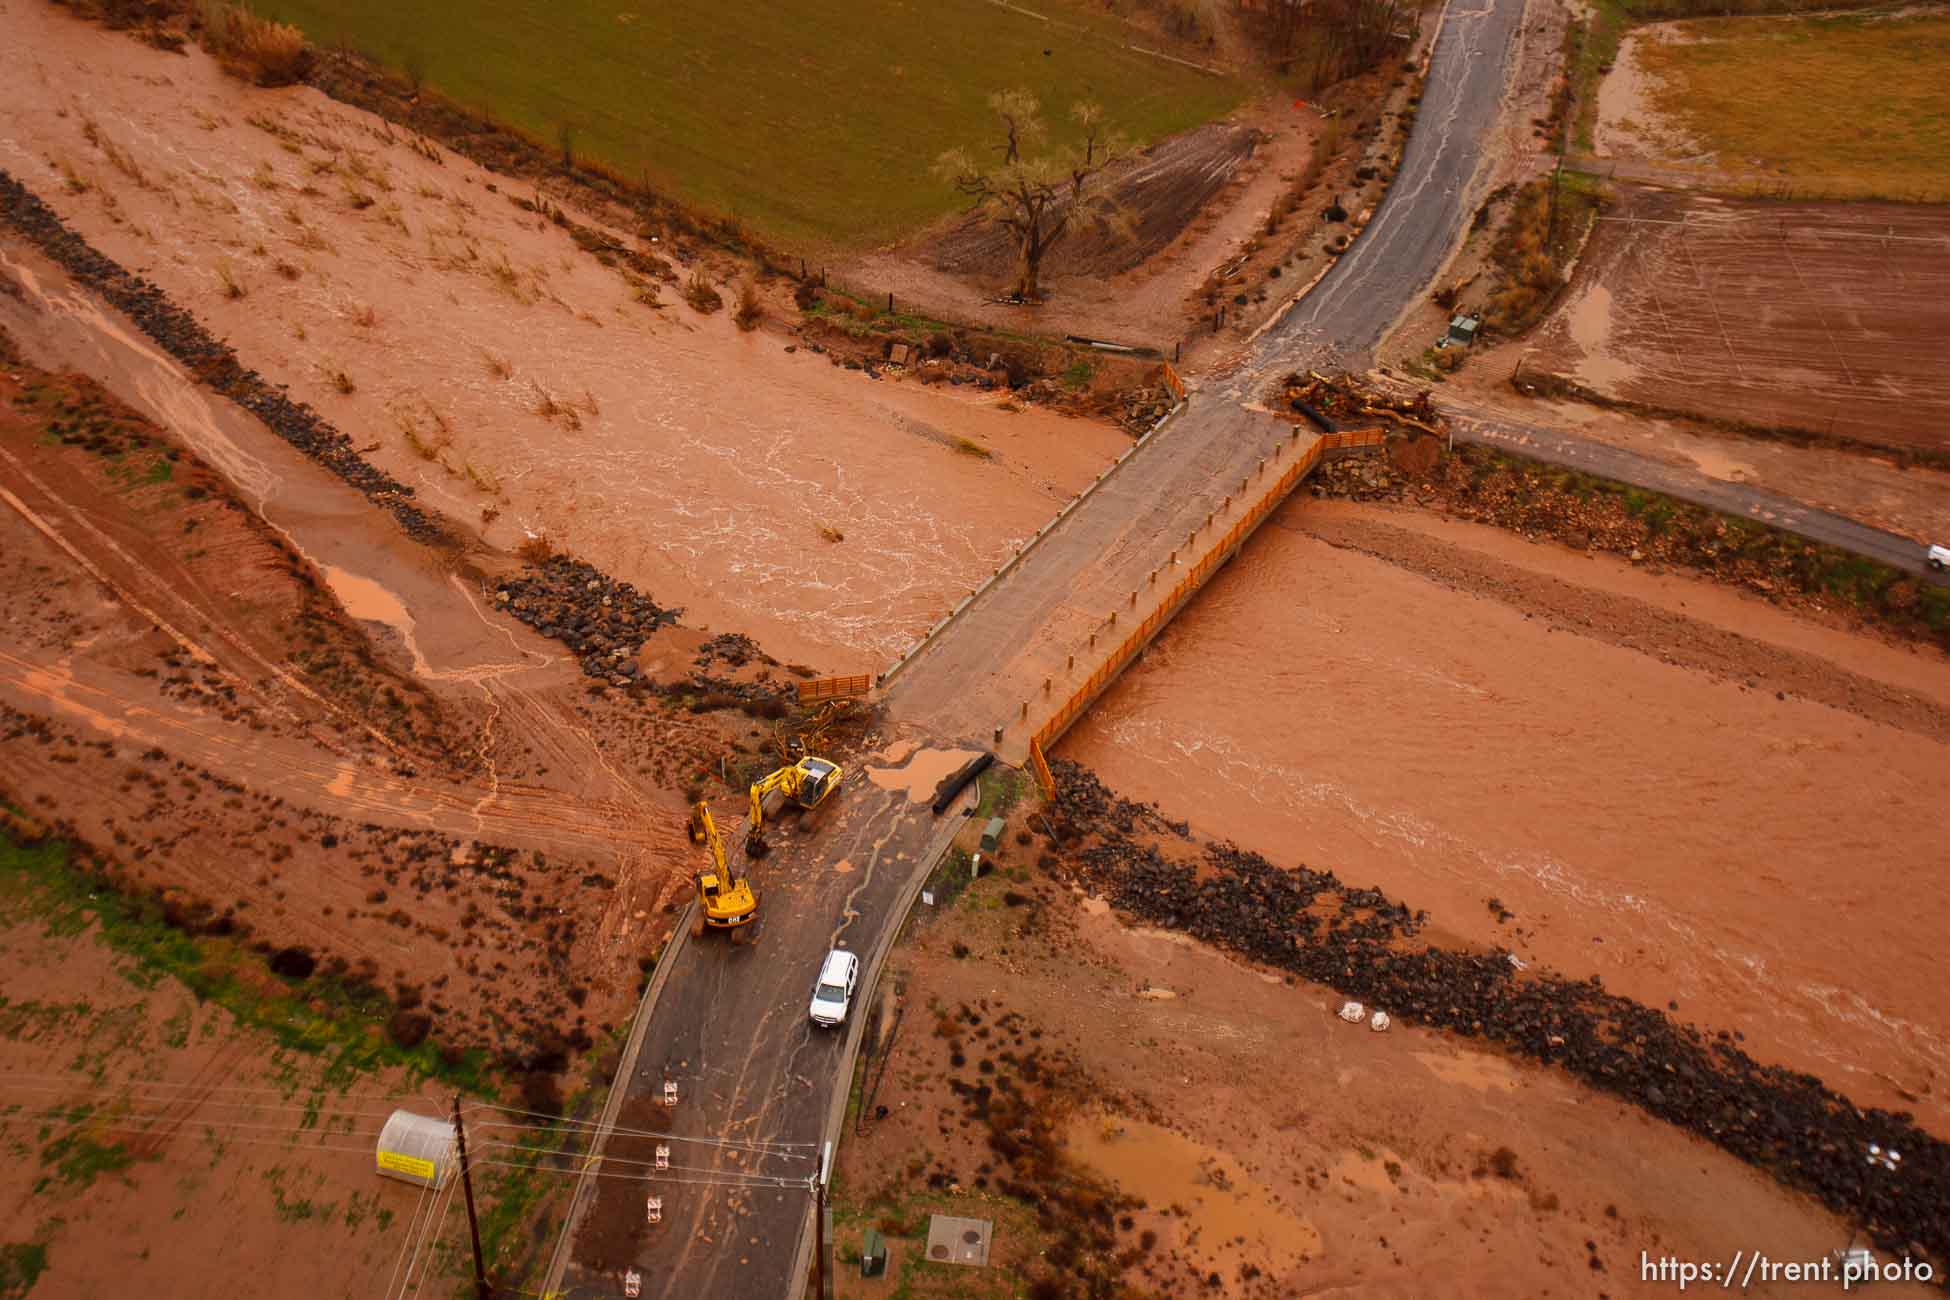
x=653, y=1177
x=140, y=1119
x=285, y=1093
x=364, y=1148
x=435, y=1225
x=132, y=1119
x=419, y=1207
x=552, y=1121
x=593, y=1159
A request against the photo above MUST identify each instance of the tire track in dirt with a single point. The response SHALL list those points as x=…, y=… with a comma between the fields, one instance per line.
x=523, y=815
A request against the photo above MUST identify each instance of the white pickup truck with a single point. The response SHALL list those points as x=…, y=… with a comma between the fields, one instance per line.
x=1938, y=558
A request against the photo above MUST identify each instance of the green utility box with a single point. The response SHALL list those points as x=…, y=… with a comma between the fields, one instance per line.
x=873, y=1255
x=991, y=835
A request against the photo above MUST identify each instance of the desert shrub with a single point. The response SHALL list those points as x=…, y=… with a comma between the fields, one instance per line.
x=541, y=1093
x=294, y=963
x=700, y=294
x=259, y=50
x=1528, y=275
x=409, y=1028
x=537, y=550
x=750, y=310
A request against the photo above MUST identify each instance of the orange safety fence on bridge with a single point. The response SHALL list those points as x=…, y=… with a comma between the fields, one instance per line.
x=1194, y=578
x=835, y=688
x=1171, y=380
x=1040, y=766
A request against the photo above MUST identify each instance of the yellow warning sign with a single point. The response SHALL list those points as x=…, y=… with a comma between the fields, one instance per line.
x=412, y=1166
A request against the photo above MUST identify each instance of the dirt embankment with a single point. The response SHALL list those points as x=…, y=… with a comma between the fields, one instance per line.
x=1595, y=515
x=138, y=578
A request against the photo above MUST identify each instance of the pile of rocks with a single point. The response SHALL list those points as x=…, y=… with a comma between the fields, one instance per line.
x=1357, y=478
x=179, y=334
x=1352, y=940
x=603, y=622
x=1143, y=408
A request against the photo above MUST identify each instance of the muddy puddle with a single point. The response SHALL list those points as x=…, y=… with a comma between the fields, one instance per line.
x=1589, y=322
x=1230, y=1215
x=919, y=776
x=1692, y=841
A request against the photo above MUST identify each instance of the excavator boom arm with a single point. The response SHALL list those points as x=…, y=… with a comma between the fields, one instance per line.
x=786, y=779
x=705, y=831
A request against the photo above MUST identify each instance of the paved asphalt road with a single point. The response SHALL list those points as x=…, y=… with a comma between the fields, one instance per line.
x=730, y=1025
x=1403, y=247
x=1756, y=503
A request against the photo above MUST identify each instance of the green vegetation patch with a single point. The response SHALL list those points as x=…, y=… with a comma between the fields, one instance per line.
x=76, y=1158
x=1591, y=50
x=21, y=1265
x=814, y=124
x=1852, y=106
x=341, y=1022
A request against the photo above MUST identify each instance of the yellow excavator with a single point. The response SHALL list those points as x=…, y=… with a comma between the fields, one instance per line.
x=806, y=783
x=724, y=902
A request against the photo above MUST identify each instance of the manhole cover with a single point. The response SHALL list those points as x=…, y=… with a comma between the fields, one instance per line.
x=955, y=1240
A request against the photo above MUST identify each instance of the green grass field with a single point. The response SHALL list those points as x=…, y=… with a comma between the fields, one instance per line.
x=815, y=124
x=1847, y=106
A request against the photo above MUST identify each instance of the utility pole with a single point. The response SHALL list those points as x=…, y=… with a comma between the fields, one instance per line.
x=819, y=1212
x=481, y=1288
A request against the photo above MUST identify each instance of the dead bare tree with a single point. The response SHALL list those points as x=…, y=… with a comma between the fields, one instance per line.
x=1039, y=198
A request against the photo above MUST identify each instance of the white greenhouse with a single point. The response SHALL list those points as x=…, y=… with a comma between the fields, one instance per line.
x=417, y=1149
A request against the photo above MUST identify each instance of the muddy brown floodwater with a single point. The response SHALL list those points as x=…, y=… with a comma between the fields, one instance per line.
x=472, y=351
x=1769, y=864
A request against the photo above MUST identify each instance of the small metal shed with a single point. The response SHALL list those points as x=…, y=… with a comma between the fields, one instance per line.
x=992, y=834
x=416, y=1149
x=1462, y=329
x=873, y=1255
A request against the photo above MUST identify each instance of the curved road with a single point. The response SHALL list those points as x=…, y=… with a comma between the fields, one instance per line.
x=1417, y=225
